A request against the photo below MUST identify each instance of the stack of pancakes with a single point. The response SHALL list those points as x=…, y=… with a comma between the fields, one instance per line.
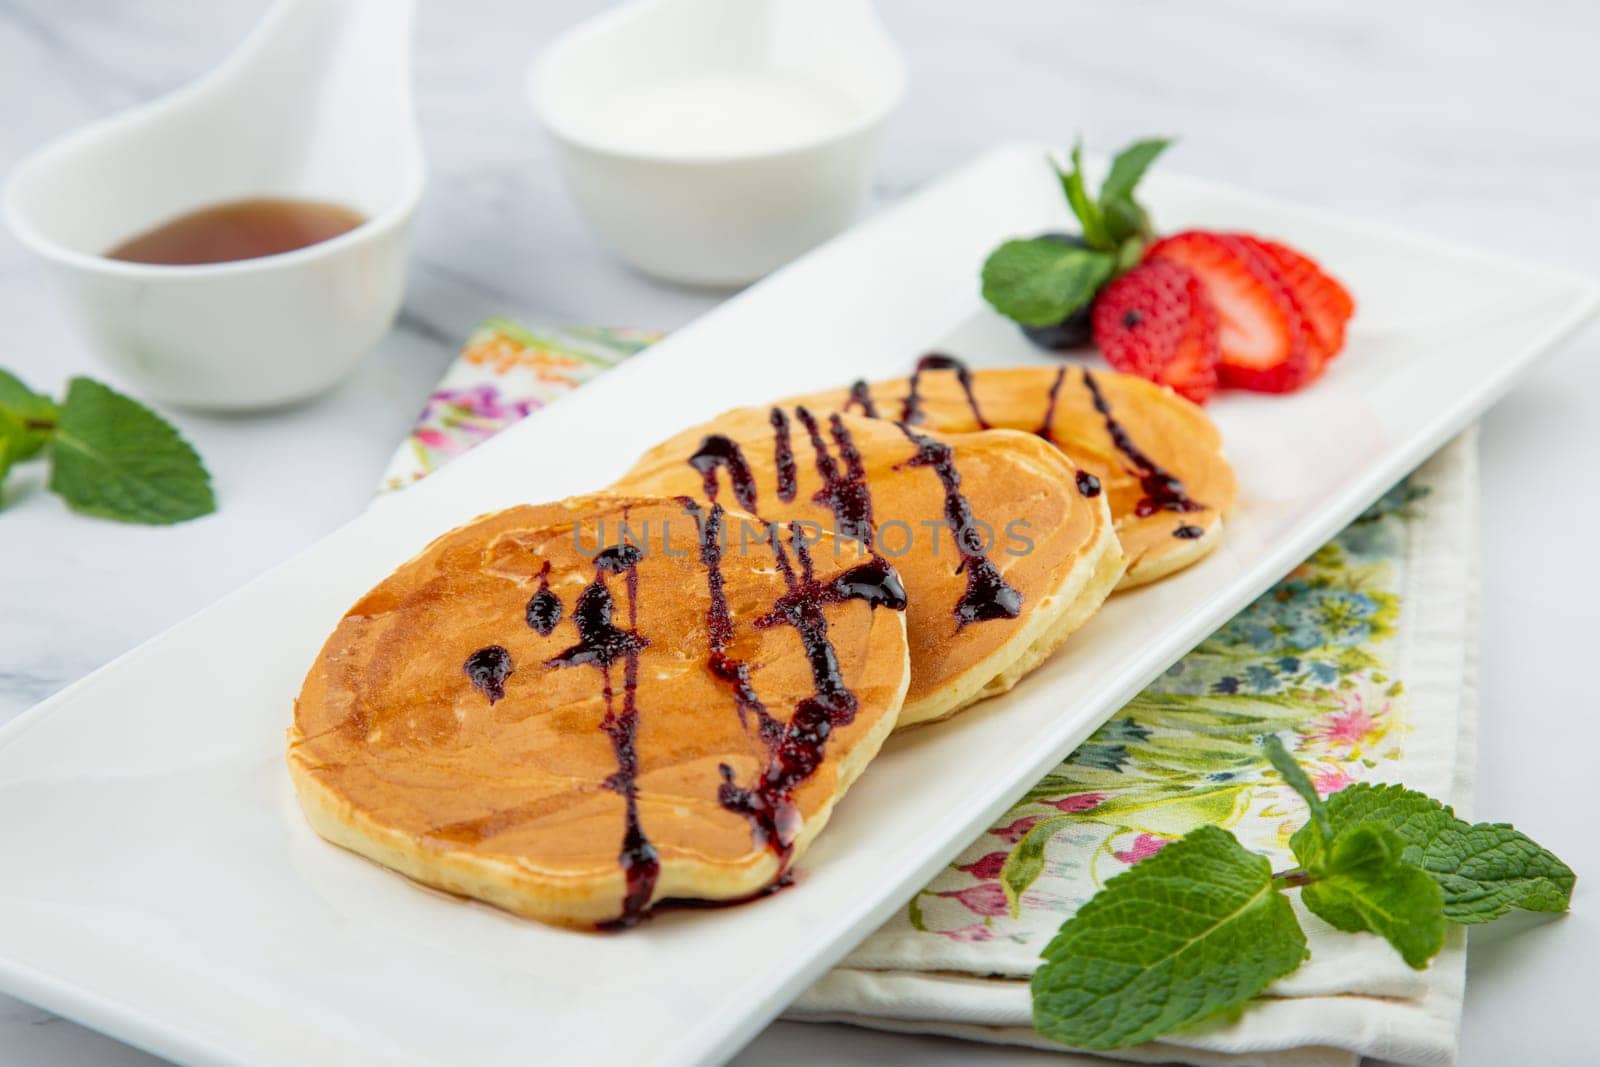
x=579, y=710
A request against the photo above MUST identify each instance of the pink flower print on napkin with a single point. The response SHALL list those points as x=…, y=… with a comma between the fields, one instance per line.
x=971, y=933
x=1080, y=802
x=437, y=440
x=1017, y=830
x=985, y=867
x=1144, y=846
x=1354, y=727
x=985, y=898
x=1329, y=780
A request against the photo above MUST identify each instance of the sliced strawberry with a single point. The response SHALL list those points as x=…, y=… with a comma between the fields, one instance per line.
x=1262, y=335
x=1326, y=304
x=1157, y=322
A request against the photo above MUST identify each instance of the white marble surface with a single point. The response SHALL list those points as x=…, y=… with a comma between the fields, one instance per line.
x=1469, y=120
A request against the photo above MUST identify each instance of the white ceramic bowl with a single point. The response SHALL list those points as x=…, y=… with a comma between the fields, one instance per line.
x=672, y=201
x=316, y=104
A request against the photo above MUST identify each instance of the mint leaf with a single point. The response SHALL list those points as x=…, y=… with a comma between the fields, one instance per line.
x=1194, y=930
x=10, y=449
x=1484, y=870
x=113, y=457
x=26, y=422
x=1087, y=210
x=1297, y=779
x=26, y=418
x=1039, y=282
x=1363, y=884
x=1128, y=168
x=1124, y=217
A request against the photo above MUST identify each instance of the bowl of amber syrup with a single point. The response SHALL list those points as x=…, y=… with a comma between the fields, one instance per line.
x=242, y=243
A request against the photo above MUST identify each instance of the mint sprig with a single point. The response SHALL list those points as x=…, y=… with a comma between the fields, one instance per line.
x=1204, y=925
x=1041, y=281
x=109, y=455
x=1483, y=870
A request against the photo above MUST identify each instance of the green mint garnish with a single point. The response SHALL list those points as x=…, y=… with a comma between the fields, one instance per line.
x=26, y=419
x=1484, y=870
x=109, y=455
x=1204, y=925
x=1124, y=218
x=1087, y=210
x=1361, y=883
x=1194, y=930
x=1041, y=281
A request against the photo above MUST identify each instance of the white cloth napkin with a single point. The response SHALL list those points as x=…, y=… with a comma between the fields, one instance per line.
x=1365, y=661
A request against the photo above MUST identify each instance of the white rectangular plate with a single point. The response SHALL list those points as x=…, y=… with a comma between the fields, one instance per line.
x=158, y=882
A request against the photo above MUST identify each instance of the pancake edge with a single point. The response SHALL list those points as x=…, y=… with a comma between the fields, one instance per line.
x=1150, y=567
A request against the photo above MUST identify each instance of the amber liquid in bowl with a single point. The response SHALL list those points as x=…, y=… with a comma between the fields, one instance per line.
x=239, y=229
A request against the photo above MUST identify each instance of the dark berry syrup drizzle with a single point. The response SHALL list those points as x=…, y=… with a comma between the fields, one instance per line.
x=861, y=397
x=601, y=644
x=1088, y=484
x=543, y=612
x=911, y=409
x=1162, y=491
x=487, y=669
x=1046, y=428
x=719, y=451
x=719, y=626
x=988, y=595
x=844, y=484
x=768, y=802
x=782, y=454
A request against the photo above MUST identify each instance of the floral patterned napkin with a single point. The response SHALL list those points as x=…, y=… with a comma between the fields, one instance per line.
x=505, y=371
x=1363, y=659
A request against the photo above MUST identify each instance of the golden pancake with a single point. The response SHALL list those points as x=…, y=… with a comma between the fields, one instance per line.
x=577, y=710
x=1156, y=454
x=1037, y=558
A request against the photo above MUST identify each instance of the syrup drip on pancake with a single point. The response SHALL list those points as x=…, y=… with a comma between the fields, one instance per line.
x=1088, y=484
x=911, y=409
x=719, y=627
x=768, y=802
x=601, y=644
x=845, y=493
x=988, y=595
x=488, y=668
x=1046, y=428
x=1162, y=491
x=861, y=397
x=544, y=607
x=782, y=455
x=719, y=451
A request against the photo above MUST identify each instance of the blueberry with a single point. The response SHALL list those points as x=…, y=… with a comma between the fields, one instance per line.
x=1074, y=331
